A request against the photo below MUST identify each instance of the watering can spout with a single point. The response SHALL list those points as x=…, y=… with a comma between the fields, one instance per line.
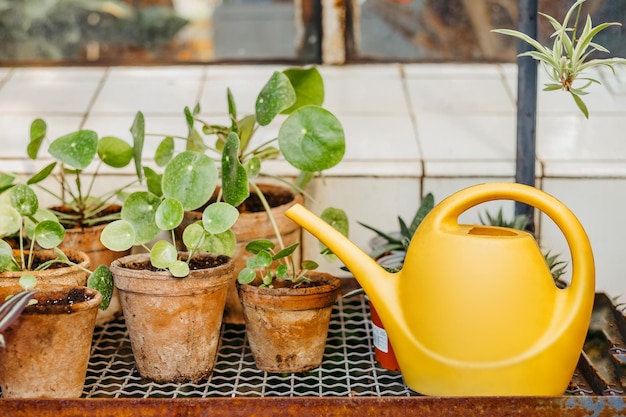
x=375, y=280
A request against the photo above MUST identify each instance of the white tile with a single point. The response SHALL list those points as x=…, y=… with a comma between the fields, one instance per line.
x=361, y=72
x=149, y=89
x=460, y=168
x=466, y=137
x=459, y=95
x=43, y=91
x=352, y=95
x=452, y=71
x=598, y=204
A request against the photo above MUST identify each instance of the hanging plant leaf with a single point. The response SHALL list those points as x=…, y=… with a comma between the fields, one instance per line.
x=23, y=199
x=312, y=139
x=118, y=235
x=191, y=178
x=139, y=210
x=76, y=149
x=276, y=96
x=234, y=176
x=37, y=135
x=169, y=214
x=114, y=152
x=101, y=280
x=49, y=234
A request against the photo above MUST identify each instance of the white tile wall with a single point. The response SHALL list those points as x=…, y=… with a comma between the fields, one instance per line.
x=410, y=129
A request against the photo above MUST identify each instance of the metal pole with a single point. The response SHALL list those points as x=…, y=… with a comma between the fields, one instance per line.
x=526, y=105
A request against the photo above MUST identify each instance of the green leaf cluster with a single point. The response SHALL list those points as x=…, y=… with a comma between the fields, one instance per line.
x=568, y=58
x=187, y=183
x=73, y=154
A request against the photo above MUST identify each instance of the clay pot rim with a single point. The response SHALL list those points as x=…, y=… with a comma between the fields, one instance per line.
x=72, y=254
x=332, y=283
x=48, y=291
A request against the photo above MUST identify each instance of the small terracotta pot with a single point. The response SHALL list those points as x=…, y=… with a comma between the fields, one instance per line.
x=173, y=323
x=287, y=327
x=66, y=275
x=87, y=240
x=252, y=226
x=48, y=346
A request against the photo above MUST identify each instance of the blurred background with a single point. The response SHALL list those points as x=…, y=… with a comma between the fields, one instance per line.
x=145, y=32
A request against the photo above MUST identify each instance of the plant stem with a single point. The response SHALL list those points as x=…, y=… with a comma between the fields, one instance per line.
x=575, y=28
x=268, y=209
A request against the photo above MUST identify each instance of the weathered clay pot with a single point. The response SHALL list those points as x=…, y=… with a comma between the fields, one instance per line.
x=48, y=346
x=173, y=323
x=87, y=239
x=252, y=226
x=65, y=275
x=287, y=327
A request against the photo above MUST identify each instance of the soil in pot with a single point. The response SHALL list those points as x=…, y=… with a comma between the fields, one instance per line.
x=253, y=224
x=48, y=347
x=287, y=327
x=57, y=273
x=173, y=323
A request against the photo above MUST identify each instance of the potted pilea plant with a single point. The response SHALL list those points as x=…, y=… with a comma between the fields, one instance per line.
x=389, y=250
x=310, y=139
x=286, y=308
x=173, y=300
x=44, y=347
x=568, y=59
x=82, y=208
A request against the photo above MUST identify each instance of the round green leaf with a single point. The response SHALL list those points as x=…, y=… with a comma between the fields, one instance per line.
x=309, y=87
x=6, y=255
x=27, y=281
x=312, y=139
x=276, y=96
x=114, y=152
x=23, y=199
x=234, y=175
x=259, y=245
x=219, y=217
x=164, y=151
x=139, y=209
x=179, y=269
x=101, y=280
x=223, y=243
x=37, y=135
x=118, y=236
x=191, y=178
x=264, y=258
x=169, y=214
x=76, y=149
x=39, y=216
x=163, y=254
x=10, y=221
x=49, y=234
x=193, y=236
x=246, y=276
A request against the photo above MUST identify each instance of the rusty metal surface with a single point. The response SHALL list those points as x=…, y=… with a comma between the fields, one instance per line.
x=597, y=388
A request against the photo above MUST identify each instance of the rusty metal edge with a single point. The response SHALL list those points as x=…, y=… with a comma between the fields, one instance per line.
x=572, y=406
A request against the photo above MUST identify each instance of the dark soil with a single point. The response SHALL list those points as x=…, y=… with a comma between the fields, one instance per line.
x=283, y=283
x=80, y=221
x=275, y=197
x=59, y=300
x=204, y=262
x=40, y=259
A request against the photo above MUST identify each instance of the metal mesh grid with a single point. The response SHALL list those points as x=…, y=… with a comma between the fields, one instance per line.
x=349, y=368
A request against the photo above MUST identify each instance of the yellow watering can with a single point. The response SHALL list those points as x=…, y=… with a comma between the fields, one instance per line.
x=474, y=310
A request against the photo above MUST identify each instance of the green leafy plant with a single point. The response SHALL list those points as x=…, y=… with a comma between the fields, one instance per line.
x=23, y=219
x=400, y=240
x=310, y=138
x=79, y=203
x=568, y=58
x=187, y=183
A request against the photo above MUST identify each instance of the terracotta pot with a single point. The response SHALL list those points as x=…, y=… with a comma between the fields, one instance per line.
x=48, y=346
x=66, y=275
x=252, y=226
x=87, y=239
x=286, y=327
x=173, y=323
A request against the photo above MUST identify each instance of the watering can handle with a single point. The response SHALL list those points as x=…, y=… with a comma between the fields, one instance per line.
x=583, y=269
